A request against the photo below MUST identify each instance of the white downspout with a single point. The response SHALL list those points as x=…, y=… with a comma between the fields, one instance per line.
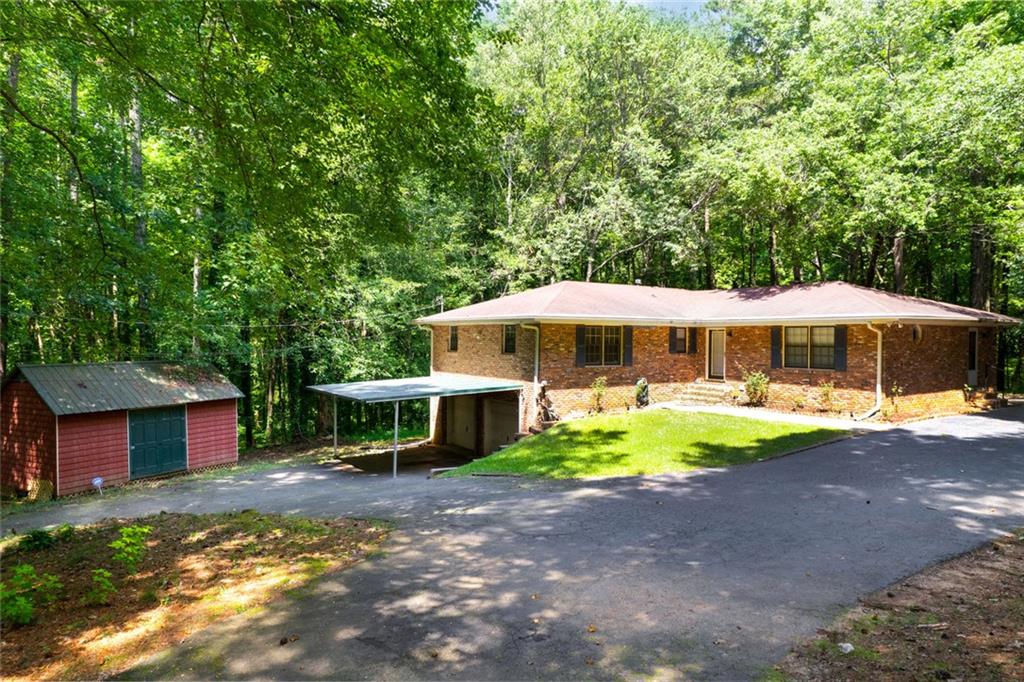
x=878, y=376
x=536, y=367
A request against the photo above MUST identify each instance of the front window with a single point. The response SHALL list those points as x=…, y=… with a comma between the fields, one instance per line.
x=508, y=339
x=453, y=339
x=603, y=345
x=680, y=344
x=823, y=347
x=796, y=347
x=810, y=347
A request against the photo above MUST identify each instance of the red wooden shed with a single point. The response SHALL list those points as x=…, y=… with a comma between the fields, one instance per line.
x=118, y=421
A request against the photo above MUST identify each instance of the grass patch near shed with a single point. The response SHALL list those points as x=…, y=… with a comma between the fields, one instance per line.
x=194, y=570
x=648, y=442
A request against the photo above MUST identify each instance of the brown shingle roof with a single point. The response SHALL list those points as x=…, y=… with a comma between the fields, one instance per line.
x=625, y=303
x=102, y=387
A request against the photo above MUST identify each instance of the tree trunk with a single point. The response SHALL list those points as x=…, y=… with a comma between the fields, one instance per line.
x=73, y=105
x=247, y=404
x=709, y=266
x=773, y=257
x=135, y=173
x=898, y=243
x=6, y=206
x=981, y=267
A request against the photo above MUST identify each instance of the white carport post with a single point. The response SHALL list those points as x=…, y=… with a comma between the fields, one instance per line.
x=335, y=401
x=394, y=455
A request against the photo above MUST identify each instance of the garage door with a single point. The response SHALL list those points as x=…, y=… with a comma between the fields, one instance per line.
x=157, y=441
x=461, y=426
x=501, y=421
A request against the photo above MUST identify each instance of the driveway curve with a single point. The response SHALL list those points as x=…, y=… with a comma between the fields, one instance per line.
x=706, y=575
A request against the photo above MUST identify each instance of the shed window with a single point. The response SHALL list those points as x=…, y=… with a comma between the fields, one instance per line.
x=453, y=339
x=603, y=345
x=508, y=339
x=810, y=347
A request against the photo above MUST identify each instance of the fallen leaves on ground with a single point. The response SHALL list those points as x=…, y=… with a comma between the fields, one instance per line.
x=197, y=569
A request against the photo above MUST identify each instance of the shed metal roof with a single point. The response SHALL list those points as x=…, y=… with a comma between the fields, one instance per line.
x=412, y=388
x=103, y=387
x=633, y=304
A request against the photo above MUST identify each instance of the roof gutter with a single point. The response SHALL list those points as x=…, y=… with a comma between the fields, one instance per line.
x=878, y=375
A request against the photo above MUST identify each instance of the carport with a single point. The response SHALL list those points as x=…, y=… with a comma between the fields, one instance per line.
x=413, y=388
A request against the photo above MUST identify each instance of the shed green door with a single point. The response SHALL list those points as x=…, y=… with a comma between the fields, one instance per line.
x=157, y=440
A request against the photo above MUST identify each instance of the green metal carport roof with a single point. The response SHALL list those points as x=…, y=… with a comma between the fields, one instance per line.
x=411, y=388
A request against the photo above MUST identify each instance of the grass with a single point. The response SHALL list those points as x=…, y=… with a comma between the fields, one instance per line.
x=197, y=569
x=649, y=442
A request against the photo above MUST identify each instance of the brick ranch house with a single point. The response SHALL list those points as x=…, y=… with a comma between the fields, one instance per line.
x=119, y=421
x=697, y=345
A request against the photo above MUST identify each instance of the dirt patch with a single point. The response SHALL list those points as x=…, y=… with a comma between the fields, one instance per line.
x=197, y=569
x=959, y=620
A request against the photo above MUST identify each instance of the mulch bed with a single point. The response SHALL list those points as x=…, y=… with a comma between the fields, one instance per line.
x=197, y=569
x=959, y=620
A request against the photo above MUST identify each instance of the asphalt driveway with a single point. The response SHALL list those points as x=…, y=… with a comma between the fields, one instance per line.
x=710, y=575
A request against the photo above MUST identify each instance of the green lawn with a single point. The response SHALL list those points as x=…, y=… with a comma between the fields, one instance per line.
x=649, y=442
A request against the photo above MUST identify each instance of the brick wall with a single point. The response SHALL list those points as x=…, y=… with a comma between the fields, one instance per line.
x=212, y=433
x=569, y=385
x=92, y=445
x=480, y=354
x=748, y=349
x=932, y=372
x=29, y=437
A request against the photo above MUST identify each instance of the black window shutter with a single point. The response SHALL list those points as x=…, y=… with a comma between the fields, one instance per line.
x=840, y=353
x=672, y=340
x=581, y=345
x=627, y=346
x=692, y=334
x=776, y=347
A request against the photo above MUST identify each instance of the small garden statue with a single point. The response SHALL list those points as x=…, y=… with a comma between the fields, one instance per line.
x=643, y=393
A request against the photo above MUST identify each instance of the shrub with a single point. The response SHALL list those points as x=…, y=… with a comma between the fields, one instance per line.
x=36, y=540
x=64, y=532
x=894, y=393
x=25, y=590
x=130, y=548
x=828, y=395
x=597, y=391
x=102, y=588
x=756, y=384
x=15, y=609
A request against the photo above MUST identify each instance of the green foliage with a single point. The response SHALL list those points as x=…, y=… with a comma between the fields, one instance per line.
x=24, y=591
x=419, y=150
x=597, y=391
x=102, y=588
x=15, y=609
x=36, y=540
x=827, y=395
x=65, y=532
x=130, y=548
x=756, y=385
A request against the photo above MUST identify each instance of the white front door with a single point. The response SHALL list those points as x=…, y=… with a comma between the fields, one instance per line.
x=972, y=357
x=716, y=353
